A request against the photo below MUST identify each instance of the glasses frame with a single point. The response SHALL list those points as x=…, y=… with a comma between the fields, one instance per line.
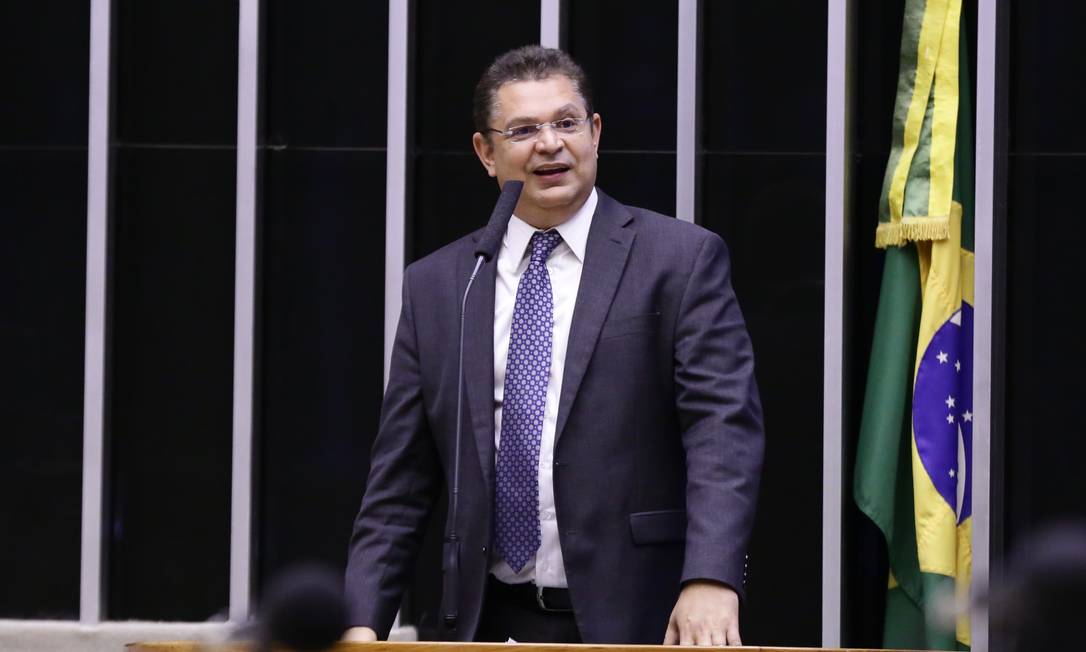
x=553, y=124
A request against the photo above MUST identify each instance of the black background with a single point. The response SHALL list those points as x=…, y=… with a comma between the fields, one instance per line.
x=321, y=344
x=171, y=336
x=762, y=189
x=43, y=243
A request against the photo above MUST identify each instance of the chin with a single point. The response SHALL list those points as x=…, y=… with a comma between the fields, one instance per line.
x=554, y=197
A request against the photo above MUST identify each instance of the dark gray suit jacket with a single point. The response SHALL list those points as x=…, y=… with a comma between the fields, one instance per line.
x=658, y=447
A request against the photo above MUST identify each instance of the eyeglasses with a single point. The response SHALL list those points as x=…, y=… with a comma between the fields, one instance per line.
x=522, y=133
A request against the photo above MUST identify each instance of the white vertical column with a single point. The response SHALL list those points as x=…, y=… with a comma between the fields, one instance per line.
x=395, y=169
x=241, y=504
x=686, y=134
x=984, y=227
x=94, y=362
x=550, y=23
x=838, y=252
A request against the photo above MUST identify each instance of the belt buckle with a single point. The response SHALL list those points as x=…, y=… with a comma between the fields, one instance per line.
x=543, y=604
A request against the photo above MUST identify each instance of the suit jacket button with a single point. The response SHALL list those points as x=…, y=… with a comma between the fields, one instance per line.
x=484, y=551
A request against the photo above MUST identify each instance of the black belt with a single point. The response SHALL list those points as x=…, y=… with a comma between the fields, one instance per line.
x=530, y=596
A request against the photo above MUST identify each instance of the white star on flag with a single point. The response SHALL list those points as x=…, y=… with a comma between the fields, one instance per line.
x=957, y=365
x=943, y=357
x=968, y=416
x=952, y=473
x=949, y=401
x=950, y=418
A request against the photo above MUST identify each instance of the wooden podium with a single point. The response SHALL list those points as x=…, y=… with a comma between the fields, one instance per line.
x=427, y=646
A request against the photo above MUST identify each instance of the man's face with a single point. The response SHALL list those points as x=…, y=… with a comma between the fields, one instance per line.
x=558, y=170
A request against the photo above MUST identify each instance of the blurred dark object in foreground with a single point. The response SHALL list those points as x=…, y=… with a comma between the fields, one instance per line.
x=304, y=609
x=1040, y=606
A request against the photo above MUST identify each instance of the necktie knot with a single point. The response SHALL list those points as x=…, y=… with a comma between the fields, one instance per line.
x=543, y=243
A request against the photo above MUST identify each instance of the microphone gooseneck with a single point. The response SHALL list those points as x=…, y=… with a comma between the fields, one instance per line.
x=486, y=250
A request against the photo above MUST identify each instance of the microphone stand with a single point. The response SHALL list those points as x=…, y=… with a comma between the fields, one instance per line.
x=488, y=247
x=451, y=548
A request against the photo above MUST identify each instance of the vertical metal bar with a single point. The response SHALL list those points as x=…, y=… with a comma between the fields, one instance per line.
x=241, y=504
x=550, y=23
x=686, y=134
x=838, y=251
x=986, y=299
x=396, y=168
x=94, y=363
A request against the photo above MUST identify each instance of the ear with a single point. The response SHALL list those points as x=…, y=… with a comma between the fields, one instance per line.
x=597, y=127
x=484, y=149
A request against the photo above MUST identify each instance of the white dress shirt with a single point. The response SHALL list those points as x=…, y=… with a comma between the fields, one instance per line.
x=564, y=268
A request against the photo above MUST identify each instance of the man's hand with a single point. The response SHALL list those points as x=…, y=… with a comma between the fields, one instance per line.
x=707, y=613
x=359, y=635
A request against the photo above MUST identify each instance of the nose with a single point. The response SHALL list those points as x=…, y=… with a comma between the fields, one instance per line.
x=547, y=140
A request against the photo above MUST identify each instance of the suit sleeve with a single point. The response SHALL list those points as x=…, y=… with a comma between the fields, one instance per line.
x=404, y=481
x=720, y=418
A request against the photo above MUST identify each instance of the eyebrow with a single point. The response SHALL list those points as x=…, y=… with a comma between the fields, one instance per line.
x=563, y=111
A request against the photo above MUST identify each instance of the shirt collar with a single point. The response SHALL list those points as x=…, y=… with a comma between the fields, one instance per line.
x=574, y=231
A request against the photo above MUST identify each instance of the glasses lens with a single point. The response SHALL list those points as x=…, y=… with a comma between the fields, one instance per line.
x=567, y=125
x=524, y=132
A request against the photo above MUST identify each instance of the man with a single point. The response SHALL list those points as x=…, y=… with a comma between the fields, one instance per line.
x=612, y=429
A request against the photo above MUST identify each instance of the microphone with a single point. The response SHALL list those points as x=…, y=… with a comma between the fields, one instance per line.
x=485, y=251
x=499, y=219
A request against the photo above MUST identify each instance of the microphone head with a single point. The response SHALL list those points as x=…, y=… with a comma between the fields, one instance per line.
x=499, y=219
x=507, y=201
x=305, y=609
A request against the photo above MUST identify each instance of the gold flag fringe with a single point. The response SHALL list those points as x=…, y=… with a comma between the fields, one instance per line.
x=912, y=229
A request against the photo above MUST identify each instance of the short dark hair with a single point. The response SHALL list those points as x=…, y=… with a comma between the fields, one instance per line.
x=530, y=62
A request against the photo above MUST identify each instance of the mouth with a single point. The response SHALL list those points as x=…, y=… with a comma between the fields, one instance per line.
x=551, y=170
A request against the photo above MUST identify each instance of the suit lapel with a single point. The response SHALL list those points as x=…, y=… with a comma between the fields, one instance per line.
x=479, y=358
x=605, y=257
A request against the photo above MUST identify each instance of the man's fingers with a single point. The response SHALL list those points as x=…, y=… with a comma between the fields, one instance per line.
x=733, y=632
x=686, y=632
x=360, y=635
x=719, y=637
x=671, y=636
x=705, y=635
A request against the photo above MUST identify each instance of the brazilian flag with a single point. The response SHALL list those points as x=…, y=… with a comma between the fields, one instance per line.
x=914, y=459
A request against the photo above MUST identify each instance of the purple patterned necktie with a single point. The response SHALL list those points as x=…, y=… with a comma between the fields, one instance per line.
x=527, y=370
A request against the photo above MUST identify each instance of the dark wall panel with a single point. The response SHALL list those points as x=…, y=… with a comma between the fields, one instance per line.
x=44, y=50
x=769, y=211
x=169, y=406
x=1045, y=348
x=764, y=76
x=1045, y=351
x=42, y=261
x=325, y=73
x=322, y=350
x=176, y=71
x=645, y=179
x=322, y=251
x=1047, y=51
x=171, y=393
x=43, y=210
x=763, y=190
